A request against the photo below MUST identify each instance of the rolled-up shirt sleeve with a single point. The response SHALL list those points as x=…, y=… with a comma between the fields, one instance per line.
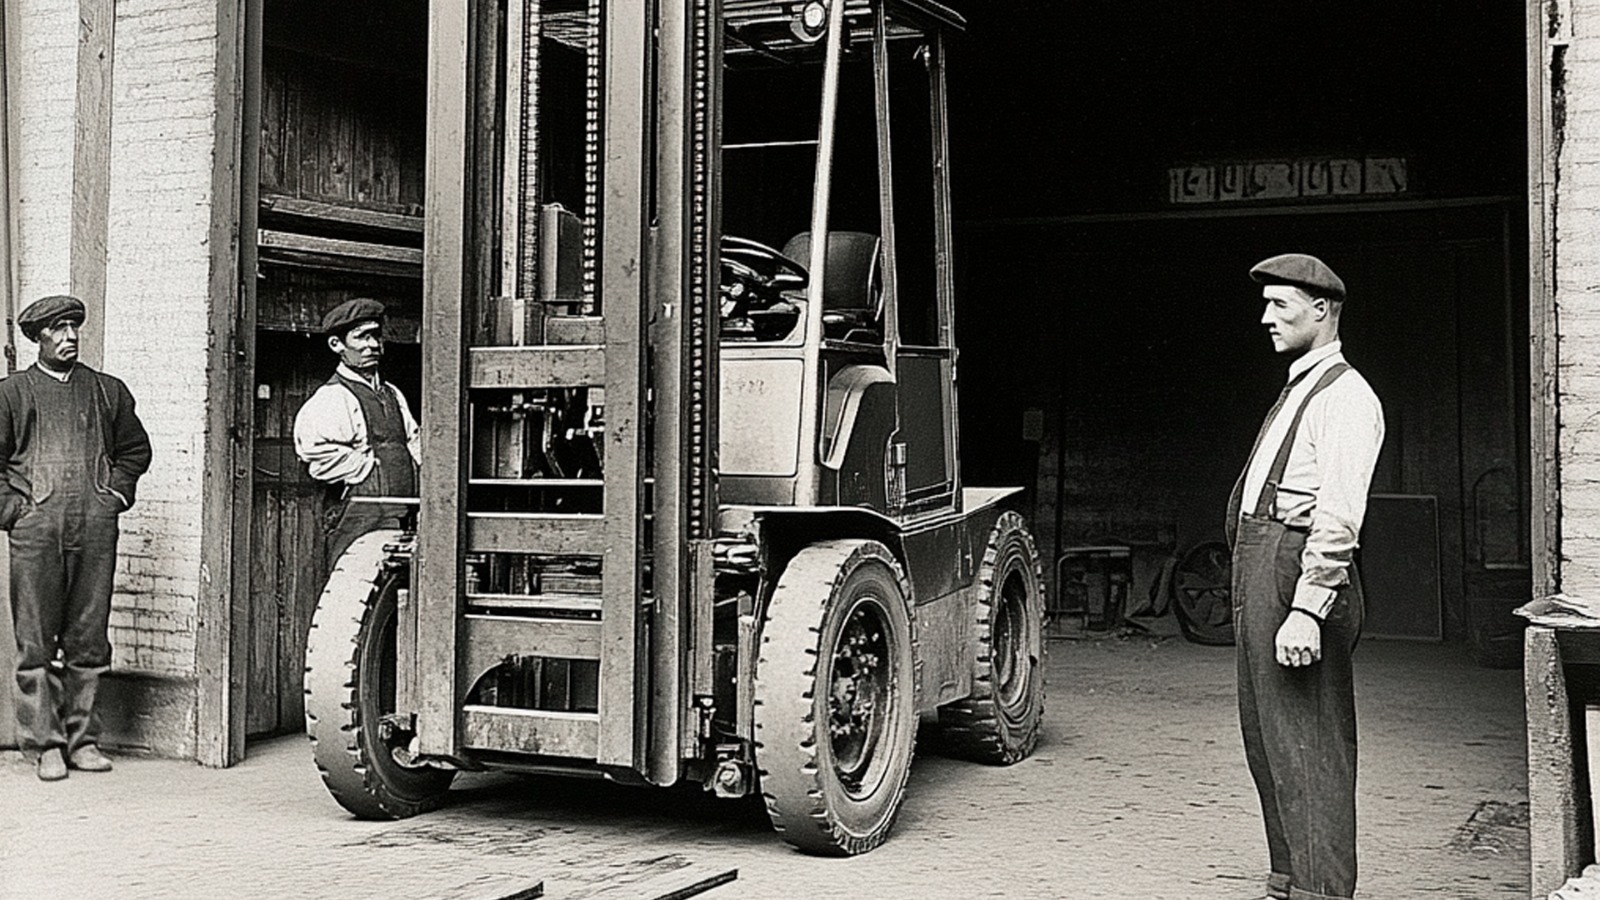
x=1346, y=434
x=330, y=437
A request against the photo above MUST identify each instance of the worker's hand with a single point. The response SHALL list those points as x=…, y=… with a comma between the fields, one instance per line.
x=1299, y=640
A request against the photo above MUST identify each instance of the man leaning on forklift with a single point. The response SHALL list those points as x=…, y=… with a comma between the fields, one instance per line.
x=356, y=433
x=1293, y=521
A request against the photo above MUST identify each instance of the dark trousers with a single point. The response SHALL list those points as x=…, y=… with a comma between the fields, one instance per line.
x=63, y=564
x=354, y=517
x=1299, y=723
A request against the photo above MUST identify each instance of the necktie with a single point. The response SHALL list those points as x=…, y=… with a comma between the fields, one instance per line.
x=1283, y=397
x=1236, y=497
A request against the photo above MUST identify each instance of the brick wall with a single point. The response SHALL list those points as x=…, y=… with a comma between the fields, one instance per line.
x=1578, y=297
x=159, y=258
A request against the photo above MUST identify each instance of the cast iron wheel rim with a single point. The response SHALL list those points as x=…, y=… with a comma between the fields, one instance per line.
x=377, y=699
x=1009, y=637
x=861, y=697
x=1202, y=592
x=1204, y=584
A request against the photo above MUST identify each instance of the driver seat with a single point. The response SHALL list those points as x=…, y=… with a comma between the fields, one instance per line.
x=852, y=288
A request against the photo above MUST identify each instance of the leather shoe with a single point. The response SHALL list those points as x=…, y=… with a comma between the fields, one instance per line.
x=88, y=758
x=51, y=766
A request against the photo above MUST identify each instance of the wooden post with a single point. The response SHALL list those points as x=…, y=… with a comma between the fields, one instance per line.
x=222, y=647
x=91, y=171
x=1554, y=852
x=1543, y=356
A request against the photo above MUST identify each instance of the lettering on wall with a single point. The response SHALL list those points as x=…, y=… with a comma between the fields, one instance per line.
x=1306, y=178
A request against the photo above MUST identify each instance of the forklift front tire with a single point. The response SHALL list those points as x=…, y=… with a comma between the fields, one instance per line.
x=835, y=716
x=350, y=685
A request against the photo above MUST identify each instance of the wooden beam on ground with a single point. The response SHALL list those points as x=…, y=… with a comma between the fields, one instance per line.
x=656, y=881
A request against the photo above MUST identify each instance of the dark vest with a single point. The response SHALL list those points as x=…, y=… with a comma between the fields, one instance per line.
x=396, y=472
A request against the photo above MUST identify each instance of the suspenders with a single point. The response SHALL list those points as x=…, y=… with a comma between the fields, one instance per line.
x=1267, y=502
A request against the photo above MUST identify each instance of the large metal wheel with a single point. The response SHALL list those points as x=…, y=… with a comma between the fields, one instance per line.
x=835, y=717
x=1202, y=591
x=999, y=722
x=350, y=687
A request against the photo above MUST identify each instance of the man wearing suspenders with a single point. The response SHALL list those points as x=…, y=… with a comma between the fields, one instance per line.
x=1293, y=521
x=356, y=433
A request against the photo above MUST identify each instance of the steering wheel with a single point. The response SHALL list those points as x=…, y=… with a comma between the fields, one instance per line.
x=755, y=277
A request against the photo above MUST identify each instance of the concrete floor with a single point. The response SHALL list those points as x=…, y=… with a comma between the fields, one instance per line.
x=1138, y=790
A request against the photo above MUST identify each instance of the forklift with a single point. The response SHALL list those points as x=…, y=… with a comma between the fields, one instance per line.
x=691, y=506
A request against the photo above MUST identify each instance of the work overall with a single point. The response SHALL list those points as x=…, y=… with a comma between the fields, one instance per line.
x=352, y=513
x=63, y=565
x=1299, y=723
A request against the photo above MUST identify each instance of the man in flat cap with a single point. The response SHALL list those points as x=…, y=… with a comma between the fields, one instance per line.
x=356, y=432
x=1293, y=521
x=71, y=453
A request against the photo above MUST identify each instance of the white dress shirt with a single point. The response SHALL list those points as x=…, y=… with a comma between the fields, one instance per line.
x=330, y=433
x=1324, y=488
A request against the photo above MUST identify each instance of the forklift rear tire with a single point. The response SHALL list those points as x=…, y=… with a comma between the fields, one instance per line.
x=999, y=723
x=350, y=686
x=835, y=715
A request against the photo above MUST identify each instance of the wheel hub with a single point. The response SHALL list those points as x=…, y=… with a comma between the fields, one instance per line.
x=1009, y=635
x=858, y=695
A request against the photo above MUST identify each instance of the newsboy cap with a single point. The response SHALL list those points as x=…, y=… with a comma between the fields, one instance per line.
x=42, y=312
x=1302, y=271
x=351, y=313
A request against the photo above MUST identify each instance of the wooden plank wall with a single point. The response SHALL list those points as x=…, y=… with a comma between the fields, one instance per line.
x=340, y=134
x=293, y=299
x=287, y=567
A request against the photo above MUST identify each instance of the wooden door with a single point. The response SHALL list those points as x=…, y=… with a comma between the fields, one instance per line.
x=286, y=534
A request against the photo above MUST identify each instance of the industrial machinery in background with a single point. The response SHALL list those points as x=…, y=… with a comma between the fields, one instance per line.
x=691, y=505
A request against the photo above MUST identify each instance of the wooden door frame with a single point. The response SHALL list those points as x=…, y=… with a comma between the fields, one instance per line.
x=1556, y=842
x=1548, y=25
x=221, y=650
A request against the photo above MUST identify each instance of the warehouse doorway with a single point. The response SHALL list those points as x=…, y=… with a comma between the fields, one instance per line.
x=333, y=191
x=1107, y=321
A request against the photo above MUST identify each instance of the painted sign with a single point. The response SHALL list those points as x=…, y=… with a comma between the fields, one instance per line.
x=1306, y=178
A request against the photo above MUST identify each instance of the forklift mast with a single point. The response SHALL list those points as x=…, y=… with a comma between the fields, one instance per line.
x=569, y=383
x=562, y=584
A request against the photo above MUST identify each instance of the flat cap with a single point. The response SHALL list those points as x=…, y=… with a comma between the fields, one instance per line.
x=350, y=313
x=42, y=312
x=1302, y=271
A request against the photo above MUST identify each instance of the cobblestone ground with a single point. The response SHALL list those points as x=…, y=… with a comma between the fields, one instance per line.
x=1138, y=790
